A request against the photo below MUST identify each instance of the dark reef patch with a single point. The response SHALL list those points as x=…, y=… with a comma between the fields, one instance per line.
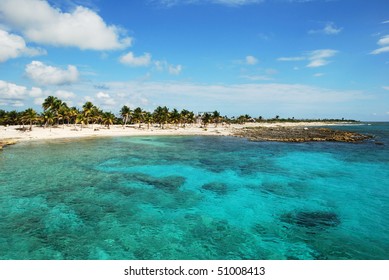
x=312, y=219
x=216, y=187
x=168, y=183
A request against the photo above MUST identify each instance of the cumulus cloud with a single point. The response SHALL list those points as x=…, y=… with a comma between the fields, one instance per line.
x=105, y=99
x=329, y=29
x=252, y=98
x=41, y=23
x=12, y=91
x=49, y=75
x=13, y=46
x=136, y=61
x=175, y=70
x=12, y=94
x=384, y=43
x=36, y=92
x=251, y=60
x=64, y=94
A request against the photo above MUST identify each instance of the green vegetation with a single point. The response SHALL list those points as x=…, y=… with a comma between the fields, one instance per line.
x=56, y=113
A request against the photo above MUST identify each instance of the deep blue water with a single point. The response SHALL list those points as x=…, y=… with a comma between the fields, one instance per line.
x=195, y=198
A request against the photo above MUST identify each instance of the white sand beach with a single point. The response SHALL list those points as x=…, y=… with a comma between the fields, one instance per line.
x=60, y=132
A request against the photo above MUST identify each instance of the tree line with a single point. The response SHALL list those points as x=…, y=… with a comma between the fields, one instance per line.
x=56, y=113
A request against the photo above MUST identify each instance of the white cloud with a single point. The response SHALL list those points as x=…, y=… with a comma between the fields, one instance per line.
x=384, y=42
x=11, y=91
x=163, y=65
x=133, y=61
x=42, y=23
x=102, y=95
x=105, y=99
x=318, y=75
x=175, y=70
x=39, y=100
x=251, y=60
x=295, y=58
x=318, y=58
x=231, y=3
x=257, y=77
x=49, y=75
x=13, y=46
x=385, y=21
x=385, y=87
x=236, y=2
x=36, y=92
x=12, y=94
x=17, y=103
x=257, y=98
x=64, y=95
x=329, y=29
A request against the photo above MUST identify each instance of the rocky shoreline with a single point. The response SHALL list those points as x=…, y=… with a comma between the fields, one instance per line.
x=4, y=143
x=300, y=134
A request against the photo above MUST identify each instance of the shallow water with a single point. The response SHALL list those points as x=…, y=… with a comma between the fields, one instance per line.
x=195, y=198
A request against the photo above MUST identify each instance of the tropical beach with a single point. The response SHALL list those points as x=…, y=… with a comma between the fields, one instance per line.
x=194, y=130
x=40, y=133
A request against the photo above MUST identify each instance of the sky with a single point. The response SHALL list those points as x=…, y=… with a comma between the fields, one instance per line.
x=291, y=58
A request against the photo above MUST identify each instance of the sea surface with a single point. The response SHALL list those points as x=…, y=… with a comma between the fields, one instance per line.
x=192, y=197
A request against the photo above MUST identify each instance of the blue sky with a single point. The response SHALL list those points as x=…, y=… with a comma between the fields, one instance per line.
x=292, y=58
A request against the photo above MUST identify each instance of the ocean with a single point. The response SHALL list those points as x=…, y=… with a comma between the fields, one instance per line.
x=195, y=197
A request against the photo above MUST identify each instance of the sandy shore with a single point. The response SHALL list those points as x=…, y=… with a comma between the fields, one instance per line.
x=40, y=133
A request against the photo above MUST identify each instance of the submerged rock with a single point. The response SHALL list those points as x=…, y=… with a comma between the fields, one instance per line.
x=216, y=187
x=312, y=219
x=169, y=183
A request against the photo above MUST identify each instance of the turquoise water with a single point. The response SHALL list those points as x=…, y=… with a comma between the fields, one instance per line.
x=195, y=198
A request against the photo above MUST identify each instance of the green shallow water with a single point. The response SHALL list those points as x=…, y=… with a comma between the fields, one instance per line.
x=195, y=198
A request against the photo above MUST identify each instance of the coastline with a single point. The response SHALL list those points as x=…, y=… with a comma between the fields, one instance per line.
x=11, y=134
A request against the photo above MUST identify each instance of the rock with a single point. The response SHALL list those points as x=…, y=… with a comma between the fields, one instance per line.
x=216, y=187
x=4, y=143
x=300, y=134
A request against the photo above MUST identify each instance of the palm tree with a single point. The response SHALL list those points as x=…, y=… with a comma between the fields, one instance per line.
x=148, y=118
x=216, y=117
x=12, y=118
x=49, y=103
x=30, y=115
x=175, y=117
x=138, y=116
x=96, y=116
x=125, y=112
x=108, y=119
x=206, y=118
x=81, y=119
x=48, y=118
x=87, y=110
x=161, y=115
x=73, y=113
